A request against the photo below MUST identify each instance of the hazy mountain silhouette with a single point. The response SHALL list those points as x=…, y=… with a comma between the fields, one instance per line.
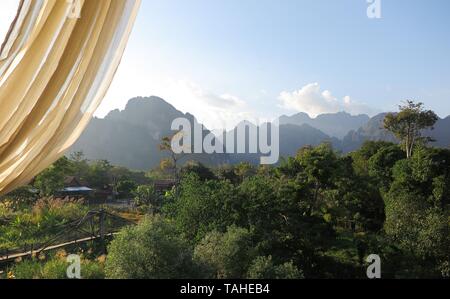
x=292, y=138
x=131, y=137
x=441, y=133
x=333, y=124
x=374, y=130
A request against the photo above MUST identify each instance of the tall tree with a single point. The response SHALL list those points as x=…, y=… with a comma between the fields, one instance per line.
x=51, y=180
x=409, y=123
x=172, y=162
x=100, y=174
x=319, y=168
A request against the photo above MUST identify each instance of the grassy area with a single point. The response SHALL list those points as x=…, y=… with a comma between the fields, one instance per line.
x=41, y=221
x=54, y=266
x=36, y=223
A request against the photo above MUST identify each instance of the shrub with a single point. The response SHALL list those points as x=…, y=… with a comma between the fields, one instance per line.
x=151, y=250
x=227, y=255
x=63, y=209
x=29, y=269
x=92, y=270
x=55, y=269
x=264, y=268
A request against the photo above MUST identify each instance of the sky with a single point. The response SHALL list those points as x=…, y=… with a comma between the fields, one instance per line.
x=229, y=60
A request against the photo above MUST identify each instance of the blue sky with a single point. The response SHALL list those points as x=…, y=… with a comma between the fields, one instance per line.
x=226, y=60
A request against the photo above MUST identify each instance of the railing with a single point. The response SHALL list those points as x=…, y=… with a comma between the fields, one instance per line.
x=95, y=225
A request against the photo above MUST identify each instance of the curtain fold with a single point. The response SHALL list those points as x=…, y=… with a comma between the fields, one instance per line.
x=56, y=64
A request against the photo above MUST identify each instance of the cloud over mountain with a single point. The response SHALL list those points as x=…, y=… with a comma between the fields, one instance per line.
x=215, y=110
x=313, y=101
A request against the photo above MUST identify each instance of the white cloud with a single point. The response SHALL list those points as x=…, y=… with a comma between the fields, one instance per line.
x=8, y=10
x=312, y=100
x=215, y=111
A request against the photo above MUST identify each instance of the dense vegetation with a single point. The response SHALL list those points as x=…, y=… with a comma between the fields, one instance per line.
x=55, y=267
x=26, y=224
x=316, y=215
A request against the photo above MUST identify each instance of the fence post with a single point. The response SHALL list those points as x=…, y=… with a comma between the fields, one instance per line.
x=102, y=224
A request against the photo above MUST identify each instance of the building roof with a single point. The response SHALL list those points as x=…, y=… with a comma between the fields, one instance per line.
x=77, y=189
x=72, y=181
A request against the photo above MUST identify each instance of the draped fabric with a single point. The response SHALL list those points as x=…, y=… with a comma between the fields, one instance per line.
x=56, y=64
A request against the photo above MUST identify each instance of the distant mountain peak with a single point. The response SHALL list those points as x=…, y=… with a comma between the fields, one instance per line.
x=148, y=102
x=334, y=124
x=130, y=137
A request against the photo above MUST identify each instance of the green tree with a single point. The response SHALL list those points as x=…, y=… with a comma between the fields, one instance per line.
x=244, y=170
x=277, y=211
x=409, y=123
x=171, y=164
x=145, y=195
x=100, y=174
x=21, y=197
x=51, y=180
x=380, y=165
x=227, y=172
x=422, y=232
x=228, y=255
x=119, y=173
x=201, y=207
x=80, y=165
x=264, y=268
x=362, y=156
x=152, y=250
x=319, y=168
x=416, y=220
x=203, y=172
x=354, y=199
x=126, y=187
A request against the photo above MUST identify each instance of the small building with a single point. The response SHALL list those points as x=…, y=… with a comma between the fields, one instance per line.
x=72, y=181
x=73, y=188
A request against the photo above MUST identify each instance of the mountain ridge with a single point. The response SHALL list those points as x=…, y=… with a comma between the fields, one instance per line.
x=131, y=137
x=327, y=122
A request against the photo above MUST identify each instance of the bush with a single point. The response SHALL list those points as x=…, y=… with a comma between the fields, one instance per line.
x=264, y=268
x=151, y=250
x=92, y=270
x=29, y=269
x=226, y=255
x=55, y=269
x=34, y=269
x=62, y=209
x=202, y=207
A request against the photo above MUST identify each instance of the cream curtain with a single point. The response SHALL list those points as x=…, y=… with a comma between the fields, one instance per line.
x=56, y=65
